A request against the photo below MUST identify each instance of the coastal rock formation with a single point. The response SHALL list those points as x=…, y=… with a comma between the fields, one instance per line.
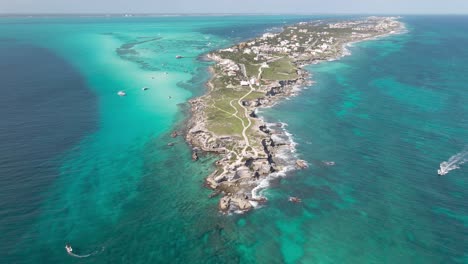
x=194, y=156
x=254, y=74
x=234, y=203
x=301, y=164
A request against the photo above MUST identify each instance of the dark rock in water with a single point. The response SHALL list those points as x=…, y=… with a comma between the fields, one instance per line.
x=194, y=156
x=174, y=134
x=170, y=144
x=253, y=114
x=214, y=194
x=260, y=200
x=302, y=164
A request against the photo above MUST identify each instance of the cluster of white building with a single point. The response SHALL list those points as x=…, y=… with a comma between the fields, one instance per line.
x=371, y=23
x=298, y=41
x=252, y=81
x=264, y=47
x=229, y=67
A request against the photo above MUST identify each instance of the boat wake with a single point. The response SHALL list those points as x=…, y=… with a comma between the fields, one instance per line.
x=79, y=256
x=453, y=163
x=86, y=255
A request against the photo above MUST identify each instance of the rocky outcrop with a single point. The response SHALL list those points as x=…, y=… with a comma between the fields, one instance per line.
x=236, y=179
x=302, y=164
x=194, y=156
x=234, y=203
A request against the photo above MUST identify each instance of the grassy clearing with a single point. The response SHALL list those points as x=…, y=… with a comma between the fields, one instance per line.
x=238, y=57
x=222, y=123
x=219, y=113
x=254, y=95
x=251, y=69
x=281, y=69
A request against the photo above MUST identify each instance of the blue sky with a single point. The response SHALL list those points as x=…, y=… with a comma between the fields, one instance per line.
x=235, y=6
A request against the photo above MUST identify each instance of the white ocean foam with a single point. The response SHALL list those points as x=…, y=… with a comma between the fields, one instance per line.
x=296, y=88
x=286, y=154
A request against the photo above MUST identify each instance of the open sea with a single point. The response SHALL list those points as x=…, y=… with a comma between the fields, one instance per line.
x=81, y=165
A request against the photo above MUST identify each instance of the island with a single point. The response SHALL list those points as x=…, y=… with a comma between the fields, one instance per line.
x=258, y=73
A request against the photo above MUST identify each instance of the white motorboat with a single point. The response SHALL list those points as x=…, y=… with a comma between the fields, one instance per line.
x=442, y=172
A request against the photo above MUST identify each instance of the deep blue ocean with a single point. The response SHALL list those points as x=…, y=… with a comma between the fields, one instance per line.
x=81, y=165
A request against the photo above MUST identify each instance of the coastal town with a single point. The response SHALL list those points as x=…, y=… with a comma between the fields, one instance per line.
x=258, y=73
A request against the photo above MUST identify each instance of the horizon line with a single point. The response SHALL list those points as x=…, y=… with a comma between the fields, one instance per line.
x=209, y=13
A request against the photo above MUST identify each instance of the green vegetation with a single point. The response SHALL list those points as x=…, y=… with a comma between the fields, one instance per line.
x=223, y=103
x=222, y=123
x=281, y=69
x=251, y=69
x=300, y=42
x=238, y=57
x=255, y=95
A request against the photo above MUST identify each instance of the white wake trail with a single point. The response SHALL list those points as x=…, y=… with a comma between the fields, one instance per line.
x=78, y=256
x=453, y=162
x=87, y=255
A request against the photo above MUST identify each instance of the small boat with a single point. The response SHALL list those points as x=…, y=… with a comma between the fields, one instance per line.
x=294, y=199
x=121, y=93
x=178, y=57
x=144, y=88
x=68, y=248
x=441, y=172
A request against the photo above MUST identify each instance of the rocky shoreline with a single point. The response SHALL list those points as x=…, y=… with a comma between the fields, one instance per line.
x=237, y=193
x=238, y=174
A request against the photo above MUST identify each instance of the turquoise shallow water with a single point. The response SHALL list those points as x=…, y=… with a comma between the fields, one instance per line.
x=387, y=115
